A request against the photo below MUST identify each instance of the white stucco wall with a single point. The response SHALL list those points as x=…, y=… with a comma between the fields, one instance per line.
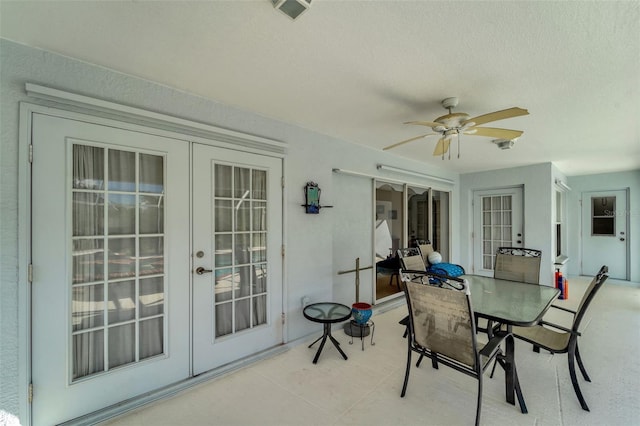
x=317, y=246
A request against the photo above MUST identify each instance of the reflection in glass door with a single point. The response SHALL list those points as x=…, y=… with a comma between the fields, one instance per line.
x=418, y=214
x=389, y=236
x=389, y=217
x=441, y=234
x=240, y=231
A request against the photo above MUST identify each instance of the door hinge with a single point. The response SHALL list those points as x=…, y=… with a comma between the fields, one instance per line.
x=282, y=181
x=31, y=153
x=283, y=316
x=282, y=251
x=30, y=396
x=30, y=273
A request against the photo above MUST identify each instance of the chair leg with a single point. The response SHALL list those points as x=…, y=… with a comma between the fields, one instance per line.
x=493, y=369
x=405, y=321
x=406, y=374
x=581, y=365
x=479, y=403
x=574, y=380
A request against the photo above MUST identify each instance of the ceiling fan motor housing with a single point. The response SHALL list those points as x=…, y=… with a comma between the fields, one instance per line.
x=450, y=102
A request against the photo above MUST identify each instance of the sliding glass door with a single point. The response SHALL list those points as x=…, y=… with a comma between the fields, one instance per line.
x=441, y=230
x=404, y=215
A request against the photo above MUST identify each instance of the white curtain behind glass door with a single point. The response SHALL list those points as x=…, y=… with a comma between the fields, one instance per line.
x=118, y=258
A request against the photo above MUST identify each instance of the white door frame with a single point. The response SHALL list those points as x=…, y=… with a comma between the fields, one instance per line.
x=104, y=112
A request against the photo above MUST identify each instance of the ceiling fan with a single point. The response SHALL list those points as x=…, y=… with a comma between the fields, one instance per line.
x=455, y=123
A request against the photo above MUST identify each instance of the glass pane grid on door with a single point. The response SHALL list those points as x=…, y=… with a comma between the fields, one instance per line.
x=118, y=263
x=496, y=226
x=240, y=238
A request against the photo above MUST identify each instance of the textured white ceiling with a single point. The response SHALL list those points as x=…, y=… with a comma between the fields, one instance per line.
x=356, y=70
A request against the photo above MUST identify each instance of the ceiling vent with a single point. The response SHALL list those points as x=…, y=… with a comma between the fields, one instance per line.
x=291, y=8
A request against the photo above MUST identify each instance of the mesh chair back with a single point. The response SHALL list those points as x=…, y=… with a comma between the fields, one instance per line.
x=410, y=258
x=425, y=250
x=442, y=321
x=589, y=294
x=518, y=264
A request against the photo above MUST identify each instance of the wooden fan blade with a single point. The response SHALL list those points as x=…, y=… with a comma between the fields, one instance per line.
x=442, y=147
x=406, y=141
x=498, y=115
x=493, y=132
x=424, y=123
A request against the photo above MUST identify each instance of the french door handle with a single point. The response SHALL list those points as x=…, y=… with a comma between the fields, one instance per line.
x=200, y=270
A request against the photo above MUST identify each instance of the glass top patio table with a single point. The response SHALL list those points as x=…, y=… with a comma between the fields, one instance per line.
x=510, y=302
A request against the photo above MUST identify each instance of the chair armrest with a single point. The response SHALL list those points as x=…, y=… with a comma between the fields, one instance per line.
x=564, y=309
x=414, y=271
x=559, y=327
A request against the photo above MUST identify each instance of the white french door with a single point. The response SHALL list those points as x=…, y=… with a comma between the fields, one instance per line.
x=110, y=292
x=118, y=309
x=497, y=222
x=237, y=242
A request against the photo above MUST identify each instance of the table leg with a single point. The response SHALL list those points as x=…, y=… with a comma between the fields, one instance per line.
x=315, y=359
x=337, y=345
x=512, y=384
x=315, y=341
x=326, y=334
